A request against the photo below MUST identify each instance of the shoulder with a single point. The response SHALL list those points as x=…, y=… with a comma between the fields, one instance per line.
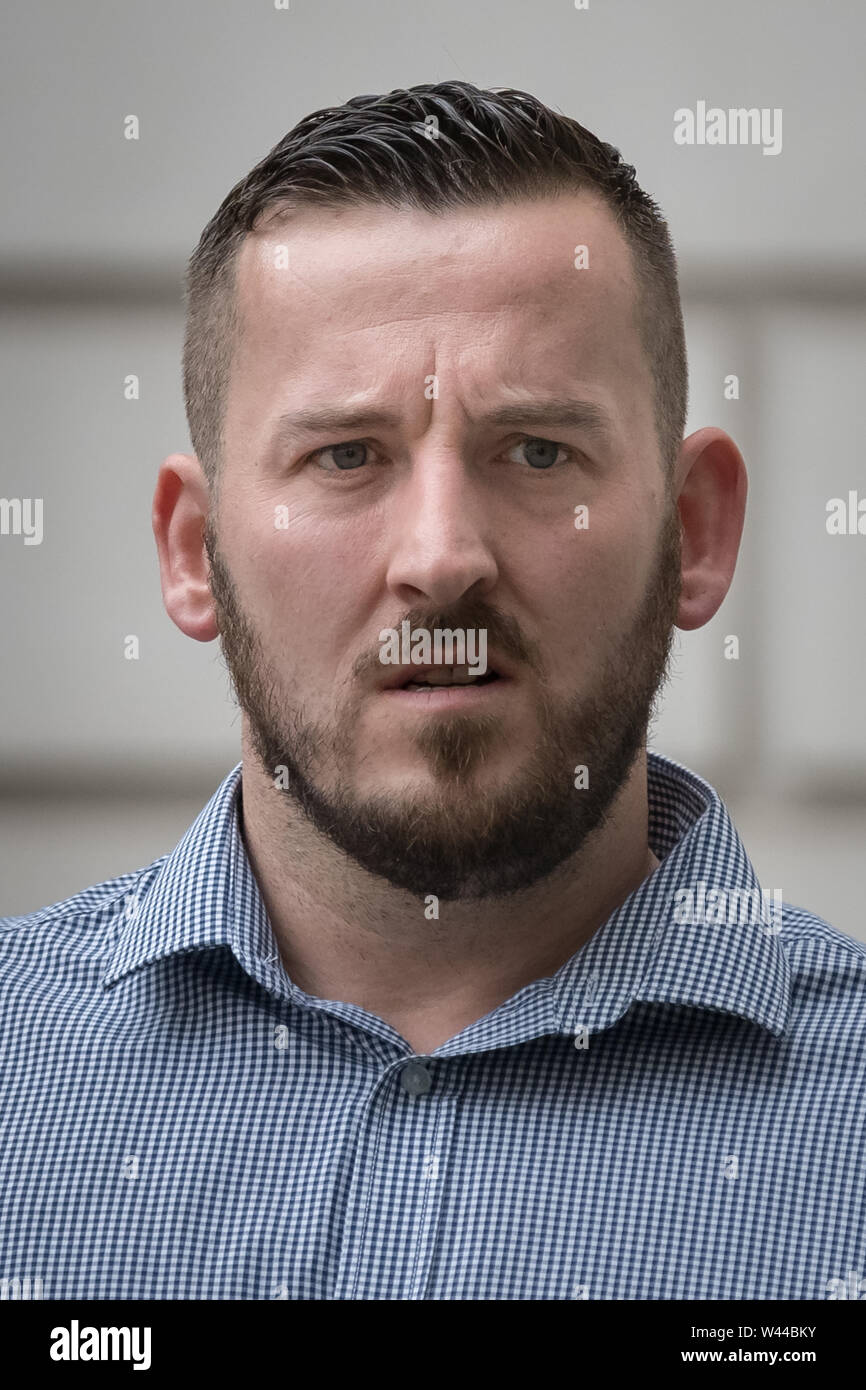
x=806, y=935
x=85, y=921
x=828, y=970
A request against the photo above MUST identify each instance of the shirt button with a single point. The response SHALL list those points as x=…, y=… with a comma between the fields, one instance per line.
x=416, y=1079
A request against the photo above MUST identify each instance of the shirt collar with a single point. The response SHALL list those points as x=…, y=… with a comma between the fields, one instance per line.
x=644, y=953
x=204, y=894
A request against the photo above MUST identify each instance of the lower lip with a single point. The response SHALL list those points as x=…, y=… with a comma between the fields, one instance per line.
x=449, y=697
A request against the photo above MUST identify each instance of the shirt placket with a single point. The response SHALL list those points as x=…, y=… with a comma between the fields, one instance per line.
x=393, y=1214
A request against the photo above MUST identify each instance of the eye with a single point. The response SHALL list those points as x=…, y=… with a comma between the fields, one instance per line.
x=346, y=457
x=541, y=453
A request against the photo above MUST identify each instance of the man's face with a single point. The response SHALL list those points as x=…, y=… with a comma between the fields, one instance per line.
x=442, y=516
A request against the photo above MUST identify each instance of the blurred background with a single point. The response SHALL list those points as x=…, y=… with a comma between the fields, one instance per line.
x=104, y=761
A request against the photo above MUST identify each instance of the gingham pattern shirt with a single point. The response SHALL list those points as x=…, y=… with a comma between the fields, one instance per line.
x=676, y=1113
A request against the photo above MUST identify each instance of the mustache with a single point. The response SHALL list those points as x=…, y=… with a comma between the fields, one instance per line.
x=503, y=632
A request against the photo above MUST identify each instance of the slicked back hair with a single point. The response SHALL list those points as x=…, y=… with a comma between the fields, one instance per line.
x=433, y=147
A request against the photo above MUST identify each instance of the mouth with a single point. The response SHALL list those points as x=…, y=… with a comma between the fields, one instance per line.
x=447, y=678
x=446, y=688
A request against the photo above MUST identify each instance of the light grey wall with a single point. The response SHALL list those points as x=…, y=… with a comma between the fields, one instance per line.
x=104, y=760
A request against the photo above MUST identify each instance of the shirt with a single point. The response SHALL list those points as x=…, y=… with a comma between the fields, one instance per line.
x=676, y=1113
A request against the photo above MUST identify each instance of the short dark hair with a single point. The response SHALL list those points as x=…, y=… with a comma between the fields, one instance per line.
x=491, y=146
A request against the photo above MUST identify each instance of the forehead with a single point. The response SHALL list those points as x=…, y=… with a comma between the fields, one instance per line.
x=500, y=293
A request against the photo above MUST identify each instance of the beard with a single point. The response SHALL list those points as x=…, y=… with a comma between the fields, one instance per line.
x=459, y=839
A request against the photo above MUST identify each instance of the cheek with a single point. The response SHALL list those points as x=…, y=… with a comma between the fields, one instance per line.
x=301, y=582
x=276, y=552
x=585, y=588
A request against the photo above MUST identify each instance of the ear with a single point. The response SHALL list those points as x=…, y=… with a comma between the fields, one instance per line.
x=710, y=483
x=181, y=504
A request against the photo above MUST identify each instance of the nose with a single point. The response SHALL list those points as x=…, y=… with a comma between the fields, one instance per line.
x=440, y=550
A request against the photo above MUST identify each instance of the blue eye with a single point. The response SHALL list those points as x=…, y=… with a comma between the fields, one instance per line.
x=346, y=456
x=540, y=454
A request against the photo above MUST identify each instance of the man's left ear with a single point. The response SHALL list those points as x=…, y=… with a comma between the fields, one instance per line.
x=710, y=483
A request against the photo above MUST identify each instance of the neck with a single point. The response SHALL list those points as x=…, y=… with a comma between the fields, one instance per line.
x=347, y=935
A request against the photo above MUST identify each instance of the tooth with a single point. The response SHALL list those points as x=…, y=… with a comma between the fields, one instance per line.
x=449, y=675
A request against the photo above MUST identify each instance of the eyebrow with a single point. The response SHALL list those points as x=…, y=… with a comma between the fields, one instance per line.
x=563, y=411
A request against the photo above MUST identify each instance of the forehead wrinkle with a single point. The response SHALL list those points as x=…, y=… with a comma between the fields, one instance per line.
x=449, y=312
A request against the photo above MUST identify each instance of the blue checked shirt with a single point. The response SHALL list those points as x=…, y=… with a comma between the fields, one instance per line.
x=676, y=1113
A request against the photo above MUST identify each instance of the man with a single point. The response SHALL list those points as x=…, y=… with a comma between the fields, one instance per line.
x=414, y=1011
